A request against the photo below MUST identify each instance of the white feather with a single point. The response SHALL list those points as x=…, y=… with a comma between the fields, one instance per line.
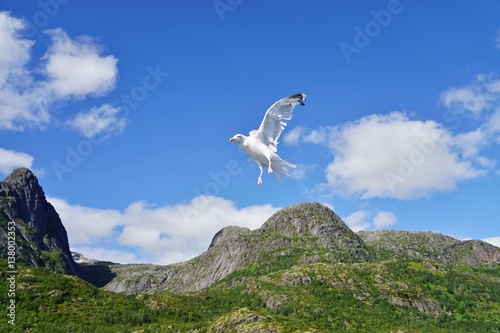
x=262, y=144
x=275, y=119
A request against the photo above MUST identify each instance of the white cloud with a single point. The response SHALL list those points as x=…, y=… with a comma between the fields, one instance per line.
x=474, y=98
x=20, y=106
x=11, y=159
x=464, y=99
x=383, y=219
x=293, y=136
x=71, y=68
x=160, y=235
x=493, y=240
x=318, y=136
x=103, y=122
x=358, y=220
x=118, y=256
x=492, y=126
x=14, y=53
x=393, y=156
x=87, y=225
x=471, y=142
x=76, y=68
x=369, y=219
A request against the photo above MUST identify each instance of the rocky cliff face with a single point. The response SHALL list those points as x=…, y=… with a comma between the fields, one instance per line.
x=299, y=234
x=429, y=246
x=41, y=239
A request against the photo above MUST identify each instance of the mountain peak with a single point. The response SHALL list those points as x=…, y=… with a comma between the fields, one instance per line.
x=307, y=232
x=319, y=223
x=306, y=218
x=21, y=176
x=227, y=233
x=37, y=223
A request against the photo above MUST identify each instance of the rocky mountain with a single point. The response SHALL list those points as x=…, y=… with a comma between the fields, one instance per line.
x=40, y=237
x=301, y=234
x=405, y=245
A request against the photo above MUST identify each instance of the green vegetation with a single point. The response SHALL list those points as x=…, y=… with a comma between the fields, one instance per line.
x=409, y=296
x=53, y=261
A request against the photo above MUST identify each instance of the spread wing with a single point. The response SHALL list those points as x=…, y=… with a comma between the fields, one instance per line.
x=274, y=121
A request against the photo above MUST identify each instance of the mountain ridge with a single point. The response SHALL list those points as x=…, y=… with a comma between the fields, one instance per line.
x=309, y=232
x=429, y=245
x=303, y=233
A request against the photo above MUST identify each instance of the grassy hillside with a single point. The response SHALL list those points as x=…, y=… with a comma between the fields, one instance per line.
x=404, y=296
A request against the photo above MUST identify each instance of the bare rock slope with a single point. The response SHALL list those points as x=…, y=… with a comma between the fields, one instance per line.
x=40, y=237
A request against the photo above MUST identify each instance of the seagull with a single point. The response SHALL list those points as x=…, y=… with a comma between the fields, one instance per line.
x=262, y=144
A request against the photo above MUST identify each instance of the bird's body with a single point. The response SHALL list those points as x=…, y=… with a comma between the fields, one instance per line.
x=262, y=144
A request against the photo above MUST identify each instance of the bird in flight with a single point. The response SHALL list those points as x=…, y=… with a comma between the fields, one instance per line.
x=262, y=144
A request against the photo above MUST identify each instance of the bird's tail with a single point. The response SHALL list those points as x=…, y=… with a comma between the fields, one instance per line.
x=280, y=167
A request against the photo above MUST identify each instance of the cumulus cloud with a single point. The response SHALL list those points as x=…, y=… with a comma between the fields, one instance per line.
x=70, y=69
x=110, y=254
x=383, y=219
x=11, y=159
x=160, y=235
x=293, y=136
x=18, y=106
x=76, y=68
x=471, y=142
x=87, y=225
x=479, y=99
x=393, y=156
x=366, y=220
x=318, y=136
x=492, y=126
x=474, y=98
x=15, y=50
x=100, y=123
x=358, y=220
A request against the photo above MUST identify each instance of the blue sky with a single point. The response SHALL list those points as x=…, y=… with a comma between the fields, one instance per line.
x=124, y=111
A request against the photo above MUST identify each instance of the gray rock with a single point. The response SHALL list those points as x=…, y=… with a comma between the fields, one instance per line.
x=37, y=224
x=430, y=246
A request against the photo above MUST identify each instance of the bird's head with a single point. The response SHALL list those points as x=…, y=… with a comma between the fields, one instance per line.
x=237, y=138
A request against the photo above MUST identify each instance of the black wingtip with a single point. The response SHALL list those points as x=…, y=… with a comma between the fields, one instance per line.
x=300, y=98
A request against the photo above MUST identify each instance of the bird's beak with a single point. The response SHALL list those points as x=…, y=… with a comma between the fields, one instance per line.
x=231, y=140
